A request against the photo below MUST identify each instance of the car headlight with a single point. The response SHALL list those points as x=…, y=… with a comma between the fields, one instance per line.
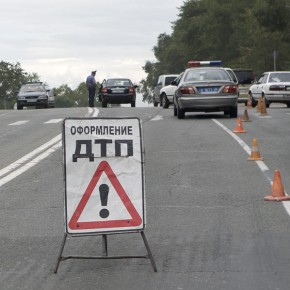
x=20, y=98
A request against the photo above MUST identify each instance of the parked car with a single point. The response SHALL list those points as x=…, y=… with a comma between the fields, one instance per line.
x=35, y=94
x=167, y=93
x=246, y=78
x=117, y=91
x=206, y=88
x=274, y=86
x=163, y=80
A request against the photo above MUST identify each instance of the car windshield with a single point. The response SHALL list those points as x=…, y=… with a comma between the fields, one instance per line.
x=118, y=82
x=279, y=77
x=206, y=74
x=32, y=88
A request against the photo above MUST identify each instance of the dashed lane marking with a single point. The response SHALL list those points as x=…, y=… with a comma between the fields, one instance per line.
x=53, y=121
x=157, y=118
x=18, y=123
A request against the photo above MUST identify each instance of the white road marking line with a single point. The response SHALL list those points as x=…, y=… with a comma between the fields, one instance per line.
x=29, y=164
x=18, y=123
x=95, y=112
x=50, y=147
x=157, y=118
x=261, y=164
x=239, y=140
x=53, y=121
x=30, y=155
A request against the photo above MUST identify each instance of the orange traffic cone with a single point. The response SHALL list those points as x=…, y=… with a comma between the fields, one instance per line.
x=278, y=192
x=255, y=154
x=245, y=117
x=239, y=128
x=263, y=108
x=259, y=105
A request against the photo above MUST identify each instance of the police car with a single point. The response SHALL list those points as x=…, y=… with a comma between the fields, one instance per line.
x=206, y=87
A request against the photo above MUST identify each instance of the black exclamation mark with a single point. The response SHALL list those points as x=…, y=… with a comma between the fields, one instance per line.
x=104, y=192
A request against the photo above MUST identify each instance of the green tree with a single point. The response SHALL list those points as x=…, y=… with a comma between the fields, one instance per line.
x=66, y=97
x=241, y=33
x=81, y=95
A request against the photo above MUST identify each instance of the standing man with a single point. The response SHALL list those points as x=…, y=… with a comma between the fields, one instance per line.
x=91, y=85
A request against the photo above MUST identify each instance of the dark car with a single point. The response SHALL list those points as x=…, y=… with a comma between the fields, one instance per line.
x=246, y=78
x=35, y=94
x=117, y=91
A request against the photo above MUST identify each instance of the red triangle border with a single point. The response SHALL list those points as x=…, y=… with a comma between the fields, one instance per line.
x=135, y=217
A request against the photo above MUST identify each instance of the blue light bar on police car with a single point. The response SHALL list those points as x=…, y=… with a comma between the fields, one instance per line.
x=193, y=63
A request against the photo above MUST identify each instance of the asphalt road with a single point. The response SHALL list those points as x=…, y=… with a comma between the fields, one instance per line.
x=208, y=226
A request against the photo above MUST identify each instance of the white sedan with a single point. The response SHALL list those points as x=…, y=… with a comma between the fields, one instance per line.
x=274, y=86
x=167, y=93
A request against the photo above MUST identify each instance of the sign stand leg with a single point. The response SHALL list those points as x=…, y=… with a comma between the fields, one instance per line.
x=105, y=245
x=59, y=258
x=105, y=255
x=149, y=251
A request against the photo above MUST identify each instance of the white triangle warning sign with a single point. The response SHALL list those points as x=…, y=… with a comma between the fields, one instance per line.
x=89, y=215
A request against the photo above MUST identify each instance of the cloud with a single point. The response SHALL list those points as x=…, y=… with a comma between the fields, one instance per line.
x=62, y=40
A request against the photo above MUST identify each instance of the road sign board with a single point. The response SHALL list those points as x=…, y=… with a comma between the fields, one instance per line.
x=104, y=175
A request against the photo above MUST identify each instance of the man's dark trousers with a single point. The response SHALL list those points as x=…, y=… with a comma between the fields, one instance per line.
x=92, y=93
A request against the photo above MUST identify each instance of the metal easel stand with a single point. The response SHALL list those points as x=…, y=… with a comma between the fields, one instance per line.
x=105, y=255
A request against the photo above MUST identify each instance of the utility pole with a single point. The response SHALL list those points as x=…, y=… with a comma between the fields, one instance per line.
x=275, y=53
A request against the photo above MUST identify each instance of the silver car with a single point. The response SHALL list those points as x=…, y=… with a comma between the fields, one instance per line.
x=35, y=94
x=206, y=89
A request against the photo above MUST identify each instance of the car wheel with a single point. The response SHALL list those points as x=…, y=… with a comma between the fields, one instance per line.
x=288, y=105
x=165, y=102
x=180, y=113
x=19, y=107
x=254, y=103
x=133, y=104
x=104, y=104
x=174, y=110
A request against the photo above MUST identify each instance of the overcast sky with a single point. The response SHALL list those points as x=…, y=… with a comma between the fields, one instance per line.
x=63, y=40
